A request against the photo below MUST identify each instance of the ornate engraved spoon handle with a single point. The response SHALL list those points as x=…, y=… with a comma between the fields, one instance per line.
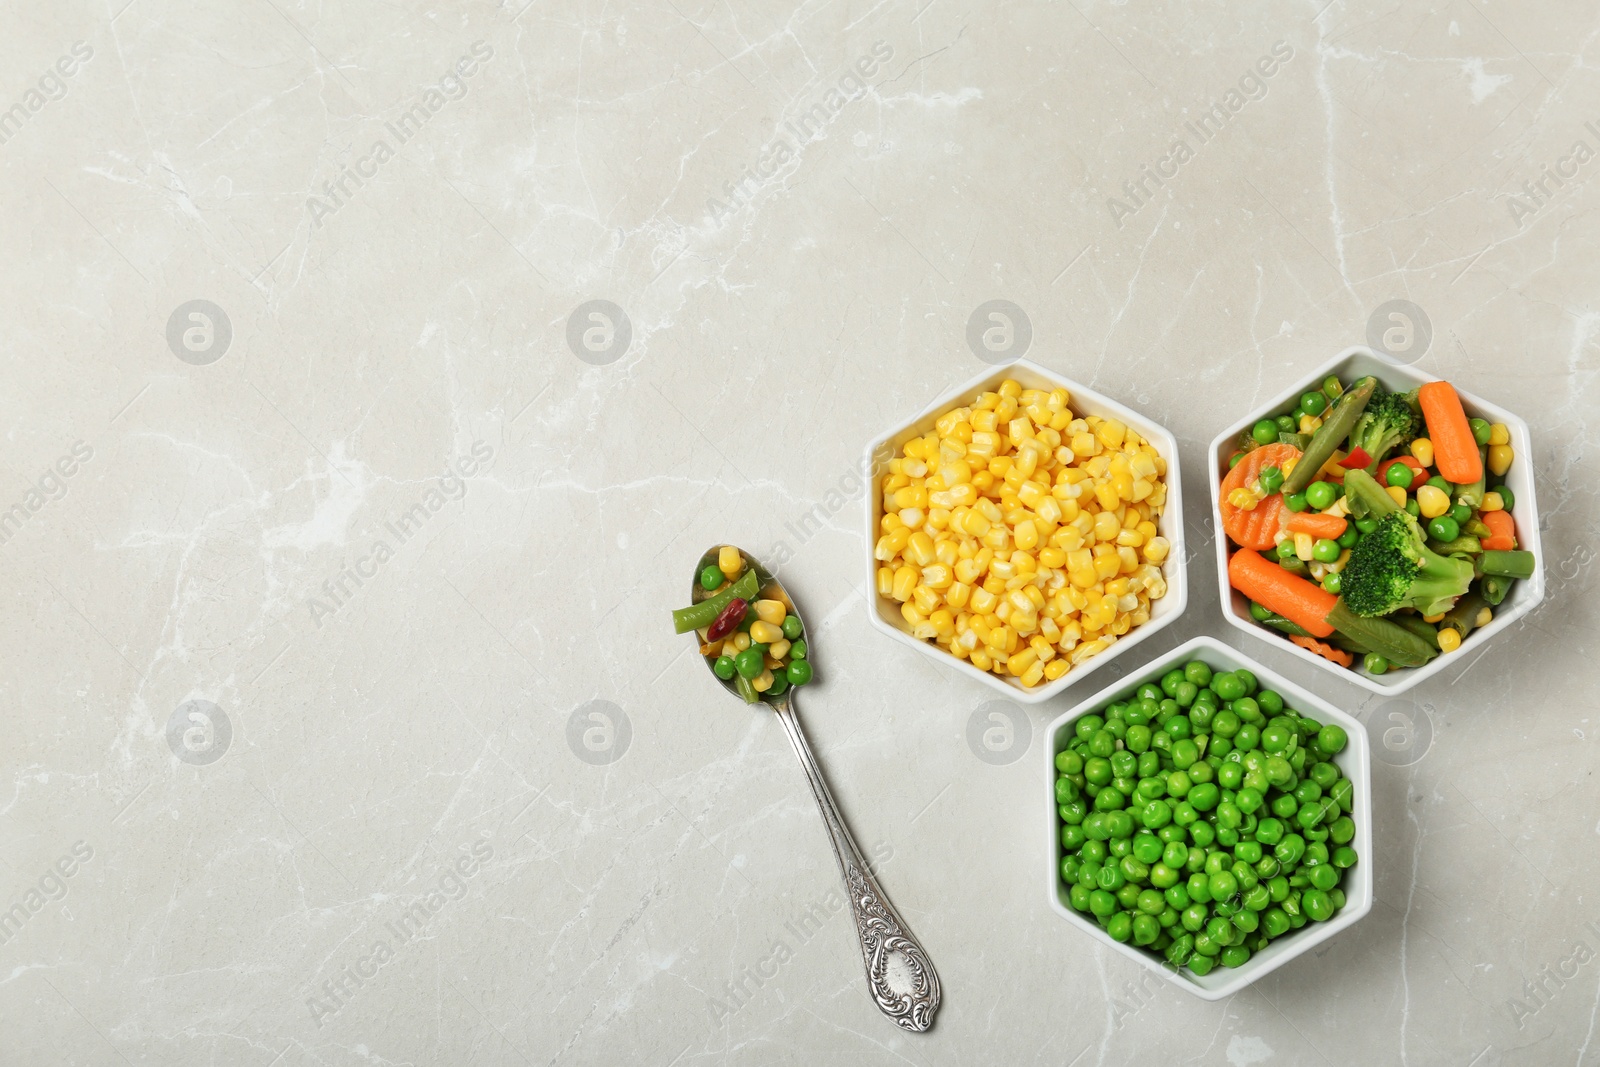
x=883, y=936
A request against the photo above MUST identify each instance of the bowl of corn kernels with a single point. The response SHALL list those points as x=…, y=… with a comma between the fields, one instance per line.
x=1025, y=529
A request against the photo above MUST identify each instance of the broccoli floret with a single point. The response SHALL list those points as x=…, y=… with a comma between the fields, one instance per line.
x=1386, y=421
x=1392, y=567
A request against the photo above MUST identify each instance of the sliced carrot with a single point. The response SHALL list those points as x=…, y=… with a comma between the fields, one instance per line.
x=1318, y=525
x=1258, y=527
x=1326, y=651
x=1277, y=590
x=1455, y=452
x=1502, y=531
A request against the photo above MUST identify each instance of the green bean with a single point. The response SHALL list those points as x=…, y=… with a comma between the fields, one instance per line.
x=704, y=613
x=1507, y=564
x=1384, y=636
x=1334, y=429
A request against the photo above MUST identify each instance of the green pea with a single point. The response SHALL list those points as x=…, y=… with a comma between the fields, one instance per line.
x=712, y=577
x=1146, y=848
x=1321, y=495
x=1264, y=432
x=779, y=686
x=1069, y=762
x=1344, y=856
x=1333, y=387
x=1201, y=965
x=750, y=663
x=1444, y=528
x=791, y=627
x=1233, y=460
x=1197, y=672
x=799, y=672
x=1228, y=686
x=1508, y=500
x=1399, y=475
x=1342, y=830
x=1203, y=835
x=1314, y=403
x=724, y=667
x=1324, y=876
x=1271, y=479
x=1187, y=691
x=797, y=650
x=1366, y=526
x=1349, y=538
x=1145, y=929
x=1374, y=663
x=1102, y=903
x=1285, y=549
x=1481, y=430
x=1325, y=550
x=1295, y=501
x=1275, y=922
x=1286, y=424
x=1461, y=513
x=1316, y=904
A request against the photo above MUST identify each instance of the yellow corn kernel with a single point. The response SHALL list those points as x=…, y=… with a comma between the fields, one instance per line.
x=1032, y=494
x=1499, y=434
x=1106, y=493
x=1485, y=615
x=983, y=600
x=1243, y=499
x=1156, y=549
x=980, y=659
x=762, y=682
x=1493, y=502
x=1432, y=619
x=1111, y=432
x=885, y=581
x=1052, y=557
x=1422, y=451
x=765, y=633
x=770, y=610
x=889, y=522
x=1449, y=639
x=924, y=598
x=943, y=622
x=1032, y=676
x=1106, y=526
x=1026, y=535
x=1010, y=388
x=1056, y=668
x=905, y=580
x=1303, y=543
x=958, y=595
x=1500, y=457
x=729, y=562
x=937, y=576
x=919, y=549
x=1432, y=501
x=967, y=571
x=1310, y=424
x=1003, y=569
x=896, y=541
x=1397, y=494
x=741, y=641
x=946, y=552
x=912, y=517
x=779, y=649
x=1022, y=661
x=973, y=522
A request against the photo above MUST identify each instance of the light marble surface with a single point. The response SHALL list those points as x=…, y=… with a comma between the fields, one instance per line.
x=398, y=372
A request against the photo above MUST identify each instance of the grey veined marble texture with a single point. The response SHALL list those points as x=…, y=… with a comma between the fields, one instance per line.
x=375, y=373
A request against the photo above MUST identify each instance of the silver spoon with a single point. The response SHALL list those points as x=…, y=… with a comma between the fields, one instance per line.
x=899, y=975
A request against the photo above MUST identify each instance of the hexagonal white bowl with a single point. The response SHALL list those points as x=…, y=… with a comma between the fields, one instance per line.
x=1525, y=595
x=885, y=613
x=1355, y=762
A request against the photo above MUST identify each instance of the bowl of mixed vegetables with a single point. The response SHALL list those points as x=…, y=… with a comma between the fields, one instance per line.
x=1025, y=530
x=1209, y=818
x=1376, y=521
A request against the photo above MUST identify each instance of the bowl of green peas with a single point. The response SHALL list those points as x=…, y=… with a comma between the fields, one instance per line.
x=1210, y=819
